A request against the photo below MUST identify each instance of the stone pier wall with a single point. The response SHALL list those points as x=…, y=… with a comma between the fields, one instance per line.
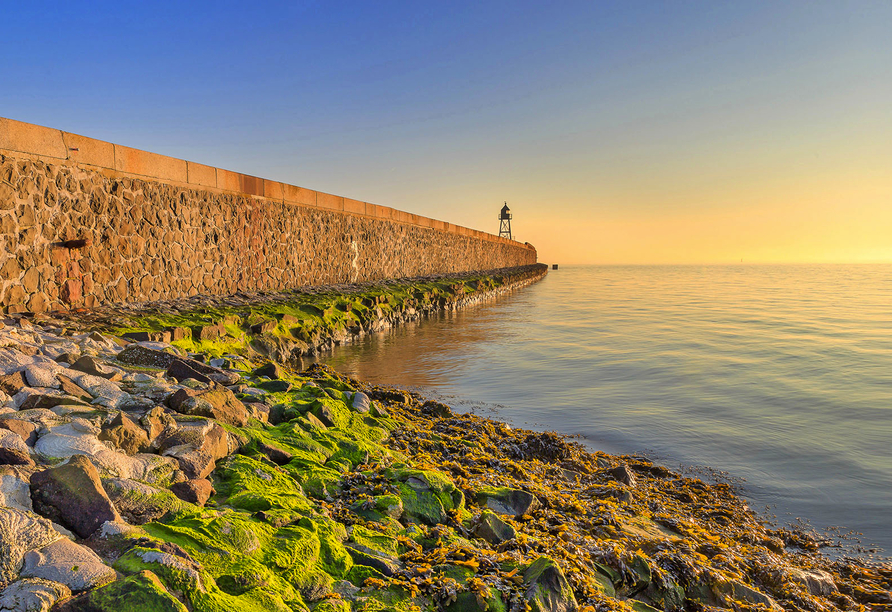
x=85, y=223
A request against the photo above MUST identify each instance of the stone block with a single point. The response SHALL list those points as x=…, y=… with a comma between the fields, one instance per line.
x=327, y=200
x=355, y=206
x=29, y=138
x=273, y=190
x=300, y=195
x=199, y=174
x=143, y=163
x=85, y=150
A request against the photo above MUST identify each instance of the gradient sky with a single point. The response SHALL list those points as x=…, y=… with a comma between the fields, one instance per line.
x=618, y=132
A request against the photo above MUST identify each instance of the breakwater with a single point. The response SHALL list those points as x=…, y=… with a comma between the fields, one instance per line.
x=135, y=475
x=85, y=223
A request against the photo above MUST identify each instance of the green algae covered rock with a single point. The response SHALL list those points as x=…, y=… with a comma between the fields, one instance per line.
x=547, y=588
x=142, y=591
x=427, y=496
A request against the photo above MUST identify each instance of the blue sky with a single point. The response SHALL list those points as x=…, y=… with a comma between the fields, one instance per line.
x=617, y=131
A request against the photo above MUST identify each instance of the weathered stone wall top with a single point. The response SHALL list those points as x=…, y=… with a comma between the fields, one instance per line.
x=77, y=234
x=55, y=146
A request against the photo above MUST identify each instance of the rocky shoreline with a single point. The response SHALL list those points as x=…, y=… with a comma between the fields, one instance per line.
x=155, y=473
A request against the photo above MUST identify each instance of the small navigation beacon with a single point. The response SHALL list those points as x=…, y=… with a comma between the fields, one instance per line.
x=505, y=222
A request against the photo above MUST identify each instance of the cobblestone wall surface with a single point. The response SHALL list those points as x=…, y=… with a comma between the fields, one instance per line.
x=72, y=236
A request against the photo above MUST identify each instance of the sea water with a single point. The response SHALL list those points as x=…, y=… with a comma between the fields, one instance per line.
x=780, y=376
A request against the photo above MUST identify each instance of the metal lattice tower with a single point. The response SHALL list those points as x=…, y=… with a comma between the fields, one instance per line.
x=505, y=222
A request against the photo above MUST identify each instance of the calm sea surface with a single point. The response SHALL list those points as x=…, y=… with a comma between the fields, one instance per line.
x=779, y=375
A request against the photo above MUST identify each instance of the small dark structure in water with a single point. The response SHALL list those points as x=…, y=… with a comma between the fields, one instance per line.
x=505, y=222
x=554, y=266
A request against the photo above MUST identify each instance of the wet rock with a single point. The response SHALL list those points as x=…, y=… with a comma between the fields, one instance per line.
x=73, y=565
x=547, y=588
x=125, y=434
x=546, y=446
x=493, y=529
x=25, y=429
x=148, y=357
x=817, y=582
x=180, y=370
x=513, y=502
x=361, y=402
x=270, y=370
x=436, y=409
x=196, y=491
x=89, y=365
x=735, y=590
x=624, y=475
x=275, y=386
x=32, y=595
x=21, y=532
x=381, y=561
x=216, y=402
x=72, y=494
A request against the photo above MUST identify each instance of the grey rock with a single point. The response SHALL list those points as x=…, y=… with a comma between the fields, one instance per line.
x=361, y=402
x=32, y=595
x=139, y=503
x=21, y=532
x=513, y=502
x=12, y=441
x=90, y=365
x=14, y=489
x=73, y=565
x=38, y=376
x=493, y=529
x=381, y=561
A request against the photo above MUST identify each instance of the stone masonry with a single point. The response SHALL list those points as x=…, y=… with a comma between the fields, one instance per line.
x=75, y=236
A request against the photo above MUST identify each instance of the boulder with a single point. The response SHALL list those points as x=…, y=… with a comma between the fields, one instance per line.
x=547, y=590
x=14, y=489
x=147, y=357
x=270, y=370
x=125, y=434
x=25, y=429
x=156, y=422
x=72, y=494
x=68, y=387
x=216, y=402
x=141, y=591
x=21, y=532
x=73, y=565
x=624, y=475
x=493, y=529
x=275, y=386
x=513, y=502
x=361, y=402
x=13, y=383
x=66, y=440
x=196, y=491
x=12, y=441
x=381, y=561
x=38, y=376
x=274, y=454
x=90, y=365
x=32, y=595
x=816, y=582
x=12, y=456
x=137, y=502
x=193, y=463
x=180, y=370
